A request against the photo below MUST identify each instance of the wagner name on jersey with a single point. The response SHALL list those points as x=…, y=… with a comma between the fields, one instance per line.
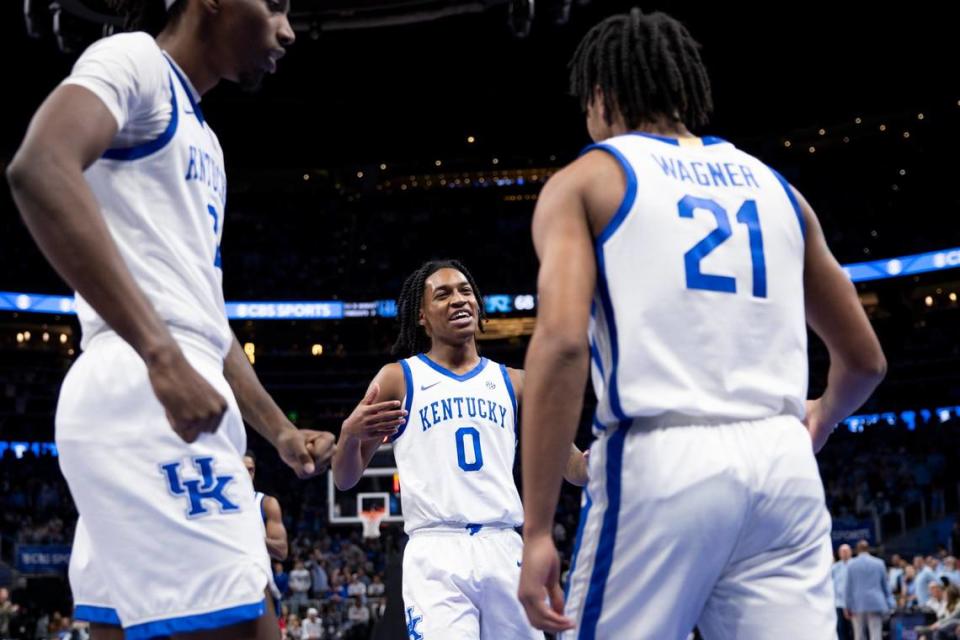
x=455, y=453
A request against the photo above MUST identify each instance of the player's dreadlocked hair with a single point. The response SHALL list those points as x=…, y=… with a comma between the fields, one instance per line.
x=647, y=66
x=147, y=15
x=412, y=339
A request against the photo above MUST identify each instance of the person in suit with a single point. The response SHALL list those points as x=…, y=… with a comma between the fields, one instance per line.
x=868, y=594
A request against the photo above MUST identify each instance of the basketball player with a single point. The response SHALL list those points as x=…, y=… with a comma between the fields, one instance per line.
x=705, y=505
x=454, y=442
x=271, y=514
x=120, y=180
x=274, y=533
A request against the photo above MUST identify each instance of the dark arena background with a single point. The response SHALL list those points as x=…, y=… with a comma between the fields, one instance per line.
x=395, y=132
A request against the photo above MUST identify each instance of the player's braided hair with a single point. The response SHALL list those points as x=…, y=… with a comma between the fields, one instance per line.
x=412, y=339
x=647, y=65
x=147, y=15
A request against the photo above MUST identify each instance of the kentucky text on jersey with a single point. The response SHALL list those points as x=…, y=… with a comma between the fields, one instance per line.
x=204, y=168
x=707, y=174
x=455, y=408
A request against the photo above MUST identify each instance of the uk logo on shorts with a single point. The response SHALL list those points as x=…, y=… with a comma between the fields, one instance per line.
x=412, y=622
x=208, y=489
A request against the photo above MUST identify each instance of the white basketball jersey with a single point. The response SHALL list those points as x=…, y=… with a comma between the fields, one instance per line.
x=258, y=500
x=456, y=451
x=699, y=306
x=163, y=198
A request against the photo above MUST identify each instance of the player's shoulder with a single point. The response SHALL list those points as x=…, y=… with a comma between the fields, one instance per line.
x=392, y=380
x=516, y=378
x=133, y=46
x=133, y=63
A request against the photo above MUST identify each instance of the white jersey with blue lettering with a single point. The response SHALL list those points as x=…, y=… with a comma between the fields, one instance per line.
x=456, y=451
x=161, y=187
x=699, y=306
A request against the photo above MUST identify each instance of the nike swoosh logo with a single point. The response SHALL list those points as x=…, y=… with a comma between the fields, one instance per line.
x=429, y=386
x=519, y=564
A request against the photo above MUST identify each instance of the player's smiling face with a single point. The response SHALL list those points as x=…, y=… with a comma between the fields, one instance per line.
x=450, y=310
x=256, y=34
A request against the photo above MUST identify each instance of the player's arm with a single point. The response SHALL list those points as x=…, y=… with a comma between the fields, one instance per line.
x=305, y=451
x=576, y=470
x=71, y=129
x=379, y=415
x=276, y=532
x=556, y=372
x=834, y=312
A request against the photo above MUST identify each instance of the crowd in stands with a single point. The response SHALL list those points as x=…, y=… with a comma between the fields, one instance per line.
x=922, y=595
x=332, y=584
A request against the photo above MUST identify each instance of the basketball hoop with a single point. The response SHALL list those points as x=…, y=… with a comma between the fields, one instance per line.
x=371, y=522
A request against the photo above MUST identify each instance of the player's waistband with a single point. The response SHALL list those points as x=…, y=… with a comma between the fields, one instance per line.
x=468, y=528
x=186, y=339
x=672, y=420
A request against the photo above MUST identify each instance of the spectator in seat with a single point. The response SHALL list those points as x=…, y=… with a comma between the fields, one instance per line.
x=8, y=611
x=359, y=617
x=947, y=625
x=312, y=625
x=299, y=586
x=907, y=597
x=925, y=576
x=936, y=602
x=950, y=571
x=356, y=588
x=281, y=578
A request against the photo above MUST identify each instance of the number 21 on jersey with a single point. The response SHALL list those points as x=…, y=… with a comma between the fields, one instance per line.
x=747, y=215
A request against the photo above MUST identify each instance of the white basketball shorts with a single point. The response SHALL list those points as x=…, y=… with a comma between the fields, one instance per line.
x=463, y=586
x=170, y=539
x=722, y=526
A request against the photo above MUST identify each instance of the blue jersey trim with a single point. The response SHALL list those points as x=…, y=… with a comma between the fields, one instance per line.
x=148, y=148
x=584, y=512
x=408, y=402
x=186, y=89
x=793, y=201
x=709, y=140
x=450, y=374
x=593, y=604
x=513, y=396
x=263, y=513
x=603, y=288
x=599, y=426
x=629, y=195
x=198, y=622
x=96, y=615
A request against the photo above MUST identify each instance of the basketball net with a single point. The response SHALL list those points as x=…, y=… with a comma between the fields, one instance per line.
x=371, y=522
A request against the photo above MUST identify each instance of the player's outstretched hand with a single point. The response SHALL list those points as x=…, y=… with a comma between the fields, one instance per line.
x=372, y=420
x=540, y=592
x=193, y=406
x=305, y=451
x=814, y=422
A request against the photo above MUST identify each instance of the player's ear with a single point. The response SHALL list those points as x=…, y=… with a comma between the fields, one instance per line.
x=210, y=6
x=421, y=320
